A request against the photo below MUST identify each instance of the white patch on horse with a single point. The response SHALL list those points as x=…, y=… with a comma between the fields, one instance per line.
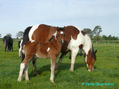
x=55, y=34
x=20, y=49
x=88, y=44
x=81, y=39
x=23, y=49
x=37, y=55
x=86, y=59
x=75, y=43
x=89, y=70
x=87, y=65
x=22, y=66
x=26, y=73
x=32, y=31
x=61, y=32
x=48, y=49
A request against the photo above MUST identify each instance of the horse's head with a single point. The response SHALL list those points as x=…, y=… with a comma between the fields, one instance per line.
x=90, y=59
x=60, y=34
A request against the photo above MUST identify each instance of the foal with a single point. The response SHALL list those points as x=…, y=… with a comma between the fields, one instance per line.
x=49, y=49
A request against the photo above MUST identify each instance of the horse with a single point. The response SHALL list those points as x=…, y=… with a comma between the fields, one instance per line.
x=50, y=49
x=8, y=43
x=83, y=42
x=74, y=40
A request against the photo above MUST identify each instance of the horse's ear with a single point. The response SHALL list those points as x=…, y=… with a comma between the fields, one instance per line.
x=95, y=51
x=60, y=29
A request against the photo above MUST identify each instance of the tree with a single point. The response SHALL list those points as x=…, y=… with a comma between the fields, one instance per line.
x=112, y=37
x=97, y=38
x=88, y=31
x=19, y=34
x=0, y=35
x=9, y=34
x=105, y=37
x=97, y=30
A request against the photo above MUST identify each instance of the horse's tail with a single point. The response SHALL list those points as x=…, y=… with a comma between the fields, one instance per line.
x=25, y=40
x=25, y=35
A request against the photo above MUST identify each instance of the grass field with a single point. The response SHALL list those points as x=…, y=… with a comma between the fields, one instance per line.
x=106, y=71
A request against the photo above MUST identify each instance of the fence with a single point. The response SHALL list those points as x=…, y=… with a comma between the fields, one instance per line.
x=106, y=41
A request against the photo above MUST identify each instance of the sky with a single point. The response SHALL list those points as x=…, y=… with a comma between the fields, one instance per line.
x=16, y=15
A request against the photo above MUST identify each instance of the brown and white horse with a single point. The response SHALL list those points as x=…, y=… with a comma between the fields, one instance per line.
x=50, y=49
x=74, y=40
x=82, y=41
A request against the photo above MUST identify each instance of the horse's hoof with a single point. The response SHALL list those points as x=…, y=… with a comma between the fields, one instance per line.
x=36, y=73
x=71, y=70
x=89, y=70
x=52, y=81
x=19, y=80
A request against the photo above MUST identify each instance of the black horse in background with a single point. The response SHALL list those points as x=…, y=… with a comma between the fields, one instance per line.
x=8, y=43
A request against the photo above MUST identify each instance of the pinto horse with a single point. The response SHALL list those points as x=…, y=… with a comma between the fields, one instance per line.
x=82, y=41
x=50, y=49
x=74, y=40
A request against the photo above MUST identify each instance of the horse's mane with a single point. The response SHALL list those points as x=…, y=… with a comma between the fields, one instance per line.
x=93, y=52
x=25, y=35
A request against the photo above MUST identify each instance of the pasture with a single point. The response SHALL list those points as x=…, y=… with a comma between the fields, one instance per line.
x=106, y=71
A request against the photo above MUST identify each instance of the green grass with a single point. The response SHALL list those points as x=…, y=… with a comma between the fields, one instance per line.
x=106, y=71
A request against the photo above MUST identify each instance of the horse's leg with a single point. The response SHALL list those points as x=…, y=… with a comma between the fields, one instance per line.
x=74, y=52
x=24, y=68
x=5, y=46
x=26, y=72
x=12, y=48
x=34, y=66
x=20, y=52
x=53, y=62
x=60, y=59
x=6, y=49
x=22, y=56
x=81, y=52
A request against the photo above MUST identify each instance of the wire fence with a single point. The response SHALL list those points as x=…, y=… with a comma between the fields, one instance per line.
x=105, y=43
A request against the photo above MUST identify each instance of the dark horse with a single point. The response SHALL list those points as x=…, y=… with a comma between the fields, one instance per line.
x=8, y=43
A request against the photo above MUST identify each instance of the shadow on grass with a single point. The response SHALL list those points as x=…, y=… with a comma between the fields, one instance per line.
x=62, y=66
x=117, y=56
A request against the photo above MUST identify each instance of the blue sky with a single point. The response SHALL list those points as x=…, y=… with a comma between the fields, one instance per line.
x=16, y=15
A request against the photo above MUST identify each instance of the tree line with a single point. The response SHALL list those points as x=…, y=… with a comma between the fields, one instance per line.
x=94, y=34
